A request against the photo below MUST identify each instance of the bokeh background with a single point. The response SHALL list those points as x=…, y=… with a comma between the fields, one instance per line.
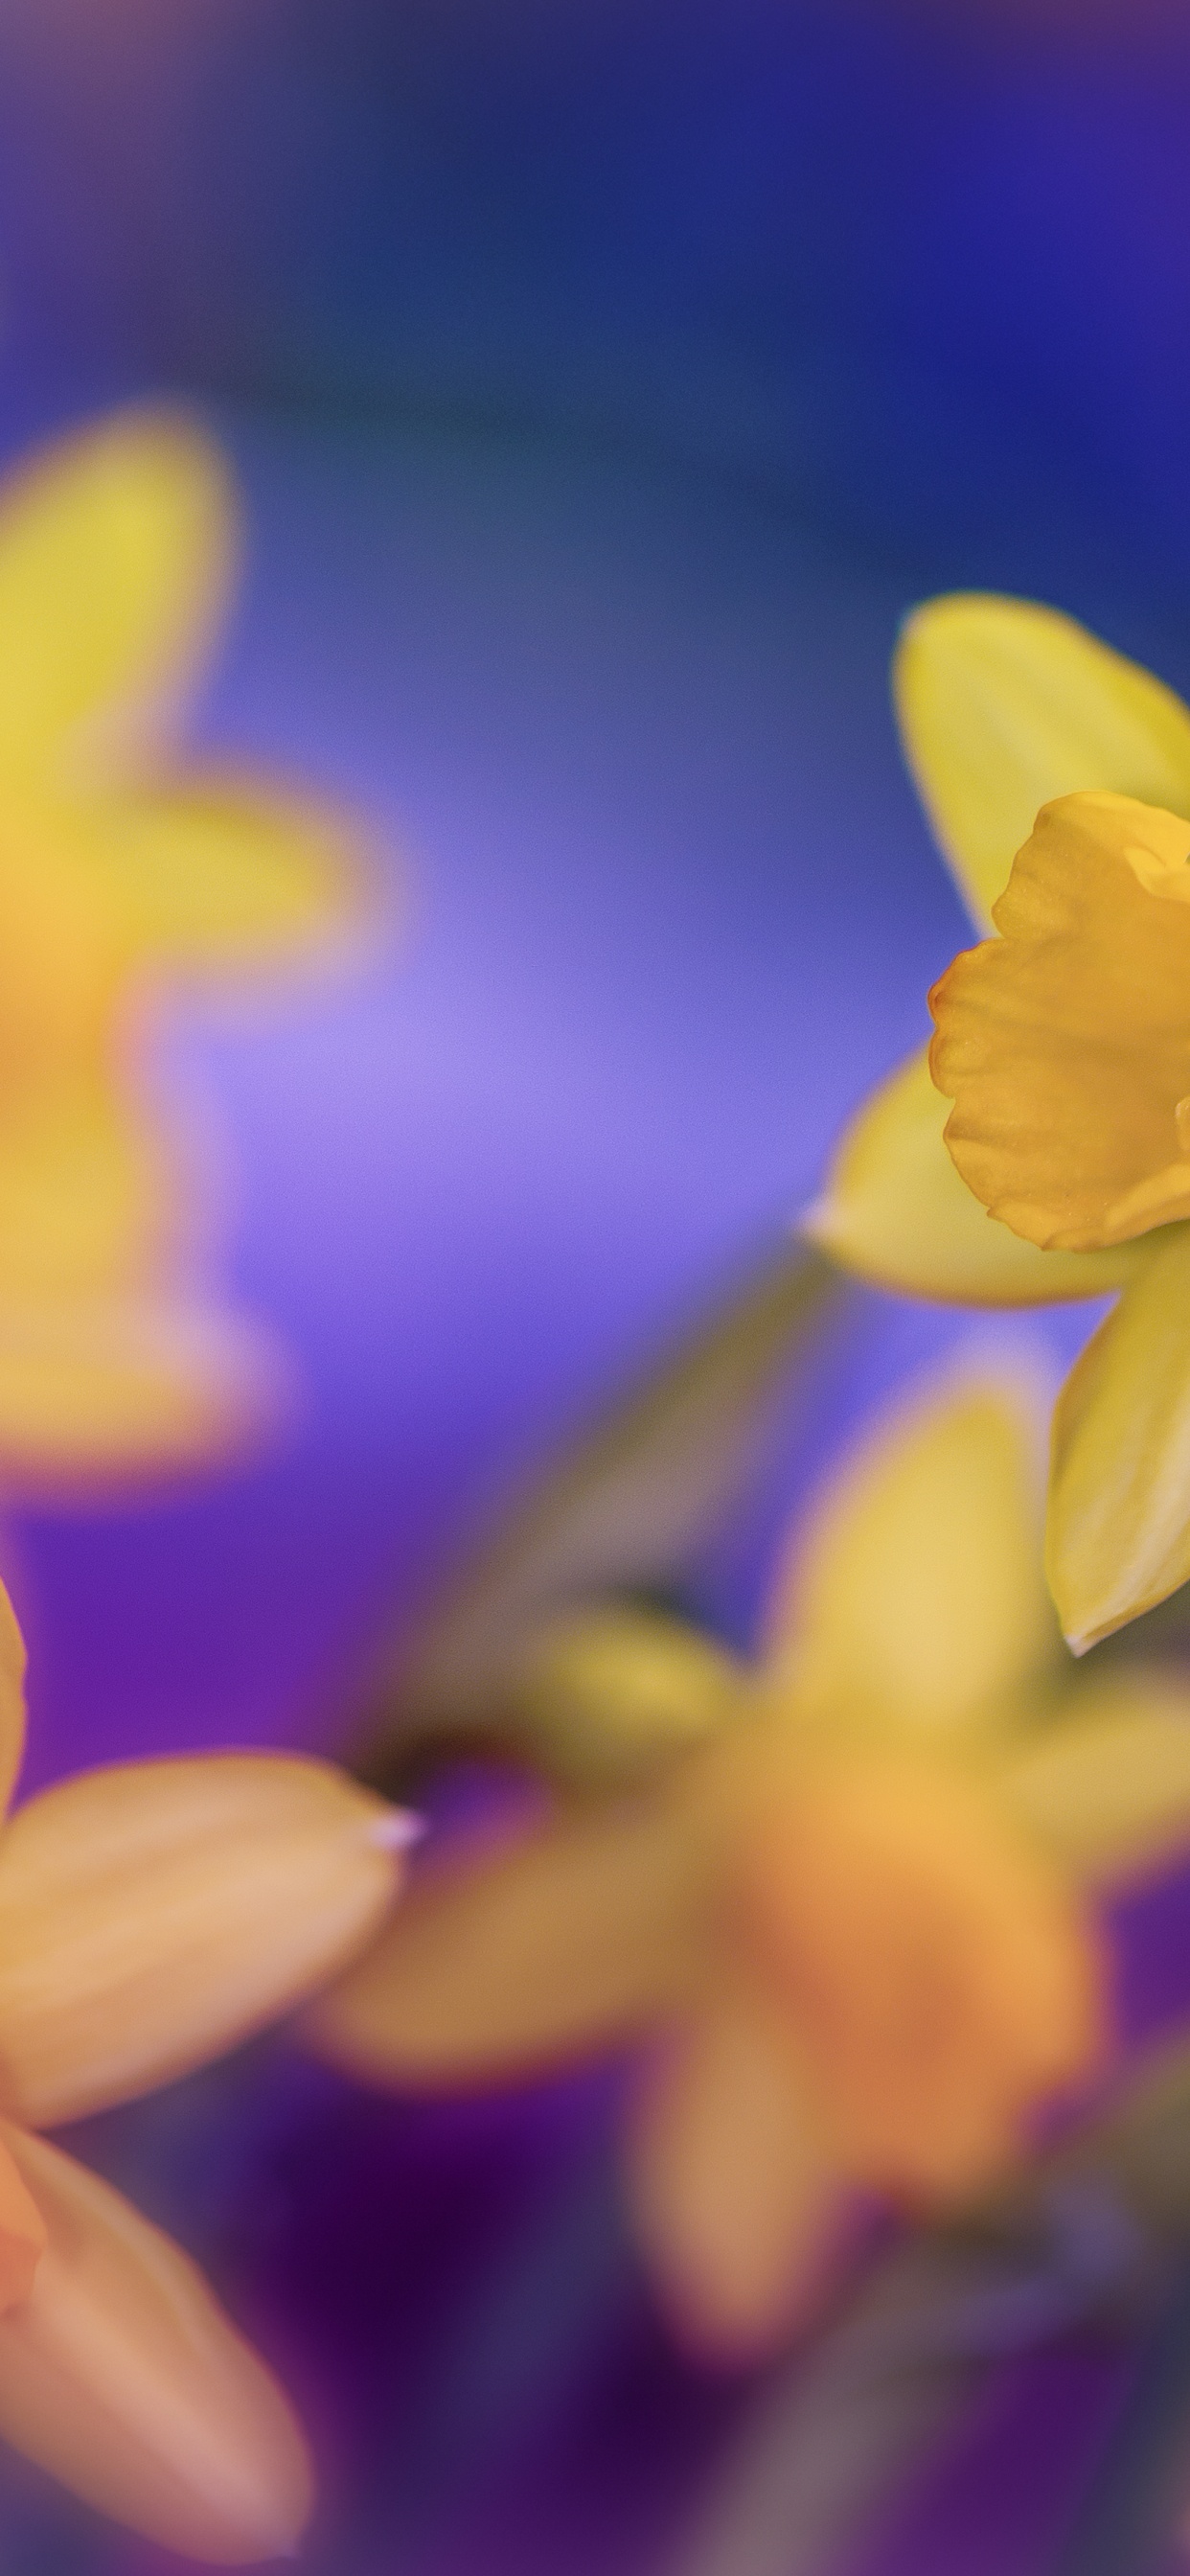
x=605, y=381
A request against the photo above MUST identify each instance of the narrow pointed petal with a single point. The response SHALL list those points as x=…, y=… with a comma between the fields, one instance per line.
x=733, y=2189
x=1004, y=705
x=566, y=1938
x=12, y=1698
x=23, y=2234
x=896, y=1210
x=1119, y=1522
x=216, y=873
x=152, y=1915
x=116, y=551
x=95, y=1391
x=121, y=2376
x=917, y=1590
x=1107, y=1786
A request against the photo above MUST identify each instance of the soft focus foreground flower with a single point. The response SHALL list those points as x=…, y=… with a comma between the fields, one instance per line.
x=1065, y=1048
x=150, y=1917
x=117, y=549
x=848, y=1914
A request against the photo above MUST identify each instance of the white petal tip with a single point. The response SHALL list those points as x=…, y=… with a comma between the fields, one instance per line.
x=397, y=1831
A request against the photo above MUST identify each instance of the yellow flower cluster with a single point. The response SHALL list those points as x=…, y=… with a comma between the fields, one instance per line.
x=851, y=1924
x=852, y=1932
x=846, y=1915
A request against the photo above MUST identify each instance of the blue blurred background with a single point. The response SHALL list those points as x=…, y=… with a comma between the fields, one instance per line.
x=605, y=381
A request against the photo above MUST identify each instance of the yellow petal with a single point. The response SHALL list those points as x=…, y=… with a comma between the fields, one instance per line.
x=734, y=2193
x=12, y=1698
x=23, y=2234
x=942, y=1978
x=1107, y=1787
x=565, y=1938
x=1004, y=705
x=214, y=872
x=896, y=1211
x=89, y=1205
x=917, y=1588
x=122, y=2376
x=1119, y=1520
x=1064, y=1044
x=93, y=1392
x=153, y=1914
x=116, y=550
x=609, y=1695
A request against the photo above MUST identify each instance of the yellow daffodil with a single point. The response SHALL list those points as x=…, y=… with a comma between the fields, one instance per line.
x=1063, y=1052
x=119, y=874
x=847, y=1915
x=150, y=1917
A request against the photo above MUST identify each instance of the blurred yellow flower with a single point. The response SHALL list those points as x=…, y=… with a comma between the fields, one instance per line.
x=852, y=1924
x=117, y=551
x=1065, y=1047
x=150, y=1917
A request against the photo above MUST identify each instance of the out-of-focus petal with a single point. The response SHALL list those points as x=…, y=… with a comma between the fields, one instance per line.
x=613, y=1693
x=896, y=1211
x=1107, y=1787
x=1004, y=705
x=1119, y=1520
x=917, y=1589
x=116, y=549
x=733, y=2188
x=152, y=1914
x=567, y=1937
x=1063, y=1043
x=12, y=1698
x=122, y=2376
x=95, y=1390
x=23, y=2233
x=942, y=1979
x=213, y=872
x=89, y=1203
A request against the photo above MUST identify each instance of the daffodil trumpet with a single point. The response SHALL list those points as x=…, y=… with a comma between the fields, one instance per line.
x=1041, y=1150
x=151, y=1916
x=845, y=1912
